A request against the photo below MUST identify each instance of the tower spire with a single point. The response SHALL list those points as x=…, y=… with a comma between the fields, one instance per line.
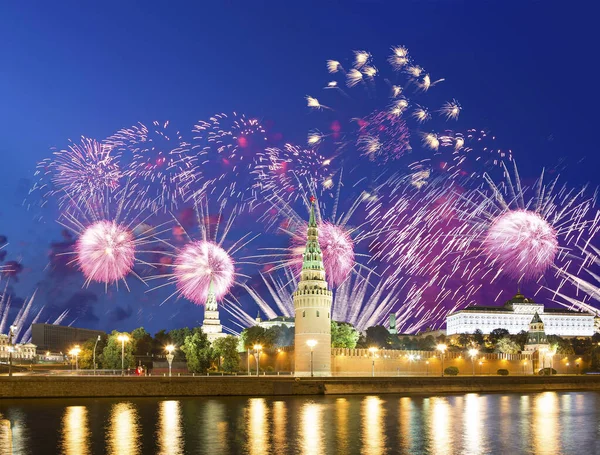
x=211, y=324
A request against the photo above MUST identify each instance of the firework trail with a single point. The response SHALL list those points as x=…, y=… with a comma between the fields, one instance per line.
x=83, y=171
x=292, y=171
x=201, y=265
x=160, y=165
x=380, y=114
x=232, y=146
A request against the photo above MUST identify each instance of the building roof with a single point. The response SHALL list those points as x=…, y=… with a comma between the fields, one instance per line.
x=536, y=319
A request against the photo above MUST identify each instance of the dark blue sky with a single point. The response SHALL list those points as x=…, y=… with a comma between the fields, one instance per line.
x=525, y=70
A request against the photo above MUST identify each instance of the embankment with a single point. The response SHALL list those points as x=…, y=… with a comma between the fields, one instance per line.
x=70, y=386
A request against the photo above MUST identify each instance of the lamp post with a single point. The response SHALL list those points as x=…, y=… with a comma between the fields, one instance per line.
x=170, y=348
x=373, y=350
x=524, y=364
x=75, y=352
x=567, y=367
x=123, y=338
x=311, y=344
x=248, y=361
x=257, y=349
x=427, y=363
x=473, y=353
x=11, y=334
x=95, y=344
x=442, y=348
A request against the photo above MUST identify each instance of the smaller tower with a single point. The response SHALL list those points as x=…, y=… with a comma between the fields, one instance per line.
x=211, y=324
x=537, y=343
x=393, y=330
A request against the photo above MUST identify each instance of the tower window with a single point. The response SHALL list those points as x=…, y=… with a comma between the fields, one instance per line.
x=317, y=313
x=304, y=314
x=328, y=315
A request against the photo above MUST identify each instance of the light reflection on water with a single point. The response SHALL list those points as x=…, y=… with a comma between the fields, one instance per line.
x=545, y=423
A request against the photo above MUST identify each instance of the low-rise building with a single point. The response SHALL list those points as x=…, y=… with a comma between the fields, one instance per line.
x=515, y=316
x=24, y=351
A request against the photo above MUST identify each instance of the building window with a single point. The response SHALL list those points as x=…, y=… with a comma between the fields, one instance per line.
x=304, y=314
x=317, y=313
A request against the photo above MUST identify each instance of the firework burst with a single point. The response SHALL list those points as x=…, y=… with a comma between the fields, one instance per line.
x=232, y=146
x=161, y=167
x=201, y=265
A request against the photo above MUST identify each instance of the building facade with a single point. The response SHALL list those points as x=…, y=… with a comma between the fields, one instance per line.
x=515, y=316
x=312, y=306
x=59, y=338
x=278, y=321
x=25, y=351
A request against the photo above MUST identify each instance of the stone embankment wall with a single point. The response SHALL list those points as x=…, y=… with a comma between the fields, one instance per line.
x=95, y=387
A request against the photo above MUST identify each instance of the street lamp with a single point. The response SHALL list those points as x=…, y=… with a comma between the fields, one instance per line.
x=311, y=344
x=373, y=350
x=11, y=334
x=95, y=344
x=473, y=353
x=257, y=349
x=442, y=348
x=524, y=364
x=75, y=352
x=170, y=348
x=123, y=338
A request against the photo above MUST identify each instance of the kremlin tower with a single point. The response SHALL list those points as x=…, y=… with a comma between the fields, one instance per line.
x=312, y=305
x=211, y=324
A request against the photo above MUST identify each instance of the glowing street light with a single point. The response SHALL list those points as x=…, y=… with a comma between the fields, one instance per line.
x=373, y=350
x=442, y=348
x=123, y=338
x=170, y=348
x=11, y=335
x=95, y=344
x=75, y=352
x=257, y=349
x=311, y=344
x=473, y=353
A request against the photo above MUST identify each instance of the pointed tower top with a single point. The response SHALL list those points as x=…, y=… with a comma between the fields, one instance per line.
x=312, y=220
x=211, y=300
x=536, y=319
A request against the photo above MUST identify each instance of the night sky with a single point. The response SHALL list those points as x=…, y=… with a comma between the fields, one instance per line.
x=524, y=70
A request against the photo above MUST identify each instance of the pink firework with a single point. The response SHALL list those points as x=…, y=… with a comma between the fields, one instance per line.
x=106, y=252
x=199, y=264
x=337, y=248
x=383, y=136
x=523, y=243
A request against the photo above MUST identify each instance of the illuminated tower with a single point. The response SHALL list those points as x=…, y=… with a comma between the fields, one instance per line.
x=312, y=304
x=211, y=324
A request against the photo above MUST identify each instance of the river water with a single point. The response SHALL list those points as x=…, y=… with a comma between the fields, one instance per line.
x=544, y=423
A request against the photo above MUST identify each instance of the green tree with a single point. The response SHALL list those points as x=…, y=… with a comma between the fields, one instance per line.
x=86, y=356
x=496, y=334
x=343, y=335
x=197, y=352
x=521, y=338
x=562, y=346
x=426, y=344
x=378, y=336
x=160, y=340
x=506, y=345
x=143, y=341
x=111, y=354
x=479, y=338
x=227, y=349
x=256, y=335
x=465, y=340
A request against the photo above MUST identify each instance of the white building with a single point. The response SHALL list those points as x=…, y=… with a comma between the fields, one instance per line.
x=25, y=351
x=278, y=321
x=312, y=305
x=515, y=316
x=211, y=324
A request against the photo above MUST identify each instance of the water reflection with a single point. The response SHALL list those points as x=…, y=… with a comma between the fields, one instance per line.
x=545, y=423
x=258, y=431
x=373, y=437
x=311, y=429
x=279, y=425
x=124, y=432
x=75, y=431
x=472, y=423
x=341, y=412
x=5, y=436
x=170, y=439
x=440, y=425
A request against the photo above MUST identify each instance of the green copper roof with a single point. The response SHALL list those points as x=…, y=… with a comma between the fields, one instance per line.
x=536, y=319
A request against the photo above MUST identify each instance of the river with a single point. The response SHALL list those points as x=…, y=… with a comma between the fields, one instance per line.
x=542, y=423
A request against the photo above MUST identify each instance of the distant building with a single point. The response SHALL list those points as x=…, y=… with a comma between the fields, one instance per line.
x=278, y=321
x=515, y=316
x=211, y=324
x=60, y=338
x=20, y=351
x=393, y=330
